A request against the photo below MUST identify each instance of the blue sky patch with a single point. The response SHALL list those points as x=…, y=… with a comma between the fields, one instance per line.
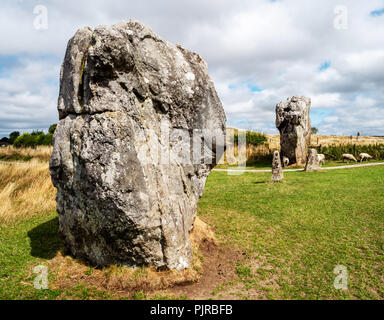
x=377, y=13
x=318, y=115
x=254, y=88
x=8, y=60
x=249, y=84
x=325, y=65
x=3, y=74
x=7, y=63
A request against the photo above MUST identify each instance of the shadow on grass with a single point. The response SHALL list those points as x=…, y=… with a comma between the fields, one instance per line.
x=261, y=182
x=45, y=240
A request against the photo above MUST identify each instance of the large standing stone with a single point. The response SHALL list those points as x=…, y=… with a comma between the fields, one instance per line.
x=277, y=170
x=294, y=124
x=117, y=204
x=313, y=162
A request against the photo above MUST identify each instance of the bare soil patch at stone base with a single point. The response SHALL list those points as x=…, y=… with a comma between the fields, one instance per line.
x=219, y=269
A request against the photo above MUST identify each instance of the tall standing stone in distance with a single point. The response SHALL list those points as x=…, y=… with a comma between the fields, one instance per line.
x=294, y=123
x=277, y=170
x=313, y=162
x=125, y=195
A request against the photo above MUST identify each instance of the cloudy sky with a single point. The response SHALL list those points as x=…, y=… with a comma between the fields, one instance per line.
x=259, y=52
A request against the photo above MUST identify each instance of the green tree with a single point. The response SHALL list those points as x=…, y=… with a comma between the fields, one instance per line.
x=13, y=136
x=39, y=139
x=52, y=129
x=255, y=138
x=25, y=140
x=48, y=139
x=314, y=130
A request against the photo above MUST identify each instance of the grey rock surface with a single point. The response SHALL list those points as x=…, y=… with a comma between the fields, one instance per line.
x=117, y=203
x=294, y=123
x=277, y=170
x=313, y=161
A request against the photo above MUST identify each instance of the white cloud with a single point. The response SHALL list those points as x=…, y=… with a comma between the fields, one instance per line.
x=279, y=45
x=28, y=97
x=331, y=119
x=326, y=100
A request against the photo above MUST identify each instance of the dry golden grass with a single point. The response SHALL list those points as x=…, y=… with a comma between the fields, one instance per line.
x=41, y=153
x=340, y=140
x=120, y=280
x=273, y=141
x=25, y=191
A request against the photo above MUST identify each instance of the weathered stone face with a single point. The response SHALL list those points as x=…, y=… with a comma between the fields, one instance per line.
x=294, y=124
x=313, y=162
x=122, y=197
x=277, y=170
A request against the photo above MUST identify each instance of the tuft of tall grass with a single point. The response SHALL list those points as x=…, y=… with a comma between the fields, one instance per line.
x=26, y=191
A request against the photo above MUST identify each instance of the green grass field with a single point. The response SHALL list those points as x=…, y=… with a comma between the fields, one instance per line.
x=22, y=247
x=294, y=233
x=291, y=235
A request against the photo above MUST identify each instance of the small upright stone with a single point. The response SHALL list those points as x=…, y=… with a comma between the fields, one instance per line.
x=277, y=170
x=313, y=163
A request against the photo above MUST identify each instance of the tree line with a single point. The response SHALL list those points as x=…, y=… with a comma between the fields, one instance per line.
x=32, y=140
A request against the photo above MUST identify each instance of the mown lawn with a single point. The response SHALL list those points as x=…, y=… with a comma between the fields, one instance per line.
x=24, y=246
x=292, y=235
x=295, y=233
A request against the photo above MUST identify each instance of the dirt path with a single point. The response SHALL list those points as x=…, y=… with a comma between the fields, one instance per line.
x=219, y=269
x=295, y=170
